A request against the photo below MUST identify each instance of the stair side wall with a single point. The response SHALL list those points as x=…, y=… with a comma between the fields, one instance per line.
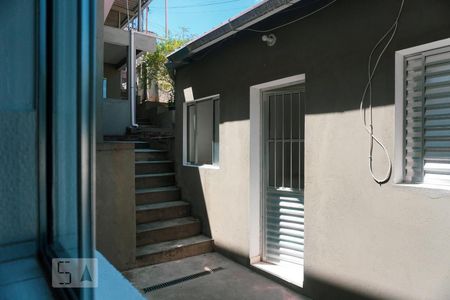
x=115, y=204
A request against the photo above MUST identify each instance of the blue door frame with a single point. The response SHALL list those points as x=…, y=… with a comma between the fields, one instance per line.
x=77, y=201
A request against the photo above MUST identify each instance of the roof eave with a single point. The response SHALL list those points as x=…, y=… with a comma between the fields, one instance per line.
x=244, y=20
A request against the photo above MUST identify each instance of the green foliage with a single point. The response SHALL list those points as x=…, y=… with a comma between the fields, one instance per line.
x=153, y=65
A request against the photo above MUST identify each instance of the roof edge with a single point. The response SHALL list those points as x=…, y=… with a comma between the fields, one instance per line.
x=244, y=20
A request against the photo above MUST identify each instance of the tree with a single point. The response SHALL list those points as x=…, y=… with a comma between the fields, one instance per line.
x=153, y=65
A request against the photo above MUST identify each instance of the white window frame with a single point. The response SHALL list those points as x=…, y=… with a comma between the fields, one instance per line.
x=399, y=109
x=215, y=154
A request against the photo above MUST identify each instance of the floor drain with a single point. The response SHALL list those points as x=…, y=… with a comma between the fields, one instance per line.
x=180, y=280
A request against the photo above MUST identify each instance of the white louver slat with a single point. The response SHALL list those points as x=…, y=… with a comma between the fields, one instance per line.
x=427, y=117
x=413, y=119
x=284, y=227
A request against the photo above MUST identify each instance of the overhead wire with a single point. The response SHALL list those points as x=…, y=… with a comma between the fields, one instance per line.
x=368, y=88
x=291, y=22
x=199, y=4
x=202, y=11
x=368, y=91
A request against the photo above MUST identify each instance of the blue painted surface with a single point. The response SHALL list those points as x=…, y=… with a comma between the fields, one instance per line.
x=65, y=126
x=19, y=270
x=17, y=250
x=17, y=55
x=112, y=284
x=33, y=289
x=18, y=172
x=18, y=177
x=23, y=279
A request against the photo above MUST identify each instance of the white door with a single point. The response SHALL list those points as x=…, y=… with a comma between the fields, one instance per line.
x=283, y=214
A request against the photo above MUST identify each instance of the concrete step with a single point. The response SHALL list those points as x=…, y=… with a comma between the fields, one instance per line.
x=150, y=154
x=144, y=122
x=137, y=144
x=157, y=195
x=147, y=125
x=141, y=145
x=169, y=230
x=123, y=138
x=160, y=143
x=153, y=166
x=173, y=250
x=152, y=129
x=154, y=180
x=161, y=211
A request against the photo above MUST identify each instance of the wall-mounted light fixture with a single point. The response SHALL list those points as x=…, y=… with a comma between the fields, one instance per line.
x=270, y=39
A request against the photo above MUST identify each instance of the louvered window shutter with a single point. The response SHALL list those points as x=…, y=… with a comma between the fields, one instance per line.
x=427, y=118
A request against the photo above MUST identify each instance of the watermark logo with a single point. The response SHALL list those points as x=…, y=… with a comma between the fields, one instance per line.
x=74, y=273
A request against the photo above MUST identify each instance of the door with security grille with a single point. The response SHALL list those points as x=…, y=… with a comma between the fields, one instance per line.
x=283, y=165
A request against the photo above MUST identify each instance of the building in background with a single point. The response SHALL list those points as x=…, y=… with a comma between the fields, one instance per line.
x=126, y=39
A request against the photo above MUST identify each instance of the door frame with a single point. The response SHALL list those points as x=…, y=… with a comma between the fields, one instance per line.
x=86, y=88
x=256, y=160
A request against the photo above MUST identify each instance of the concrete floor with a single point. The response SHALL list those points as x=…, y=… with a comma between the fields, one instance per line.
x=234, y=282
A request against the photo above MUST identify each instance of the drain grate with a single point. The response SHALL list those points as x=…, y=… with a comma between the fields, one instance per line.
x=180, y=280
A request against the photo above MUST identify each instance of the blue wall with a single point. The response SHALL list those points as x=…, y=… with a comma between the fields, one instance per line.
x=18, y=150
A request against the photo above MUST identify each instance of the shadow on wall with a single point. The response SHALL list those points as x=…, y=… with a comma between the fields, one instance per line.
x=317, y=287
x=193, y=193
x=324, y=289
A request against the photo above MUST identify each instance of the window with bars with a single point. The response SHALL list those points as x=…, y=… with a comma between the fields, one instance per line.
x=202, y=138
x=426, y=116
x=285, y=133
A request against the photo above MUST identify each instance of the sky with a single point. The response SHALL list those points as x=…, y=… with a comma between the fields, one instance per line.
x=195, y=16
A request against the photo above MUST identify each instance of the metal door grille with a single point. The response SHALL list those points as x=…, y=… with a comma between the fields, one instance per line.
x=283, y=117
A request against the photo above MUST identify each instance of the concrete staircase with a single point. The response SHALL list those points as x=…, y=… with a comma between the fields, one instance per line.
x=165, y=230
